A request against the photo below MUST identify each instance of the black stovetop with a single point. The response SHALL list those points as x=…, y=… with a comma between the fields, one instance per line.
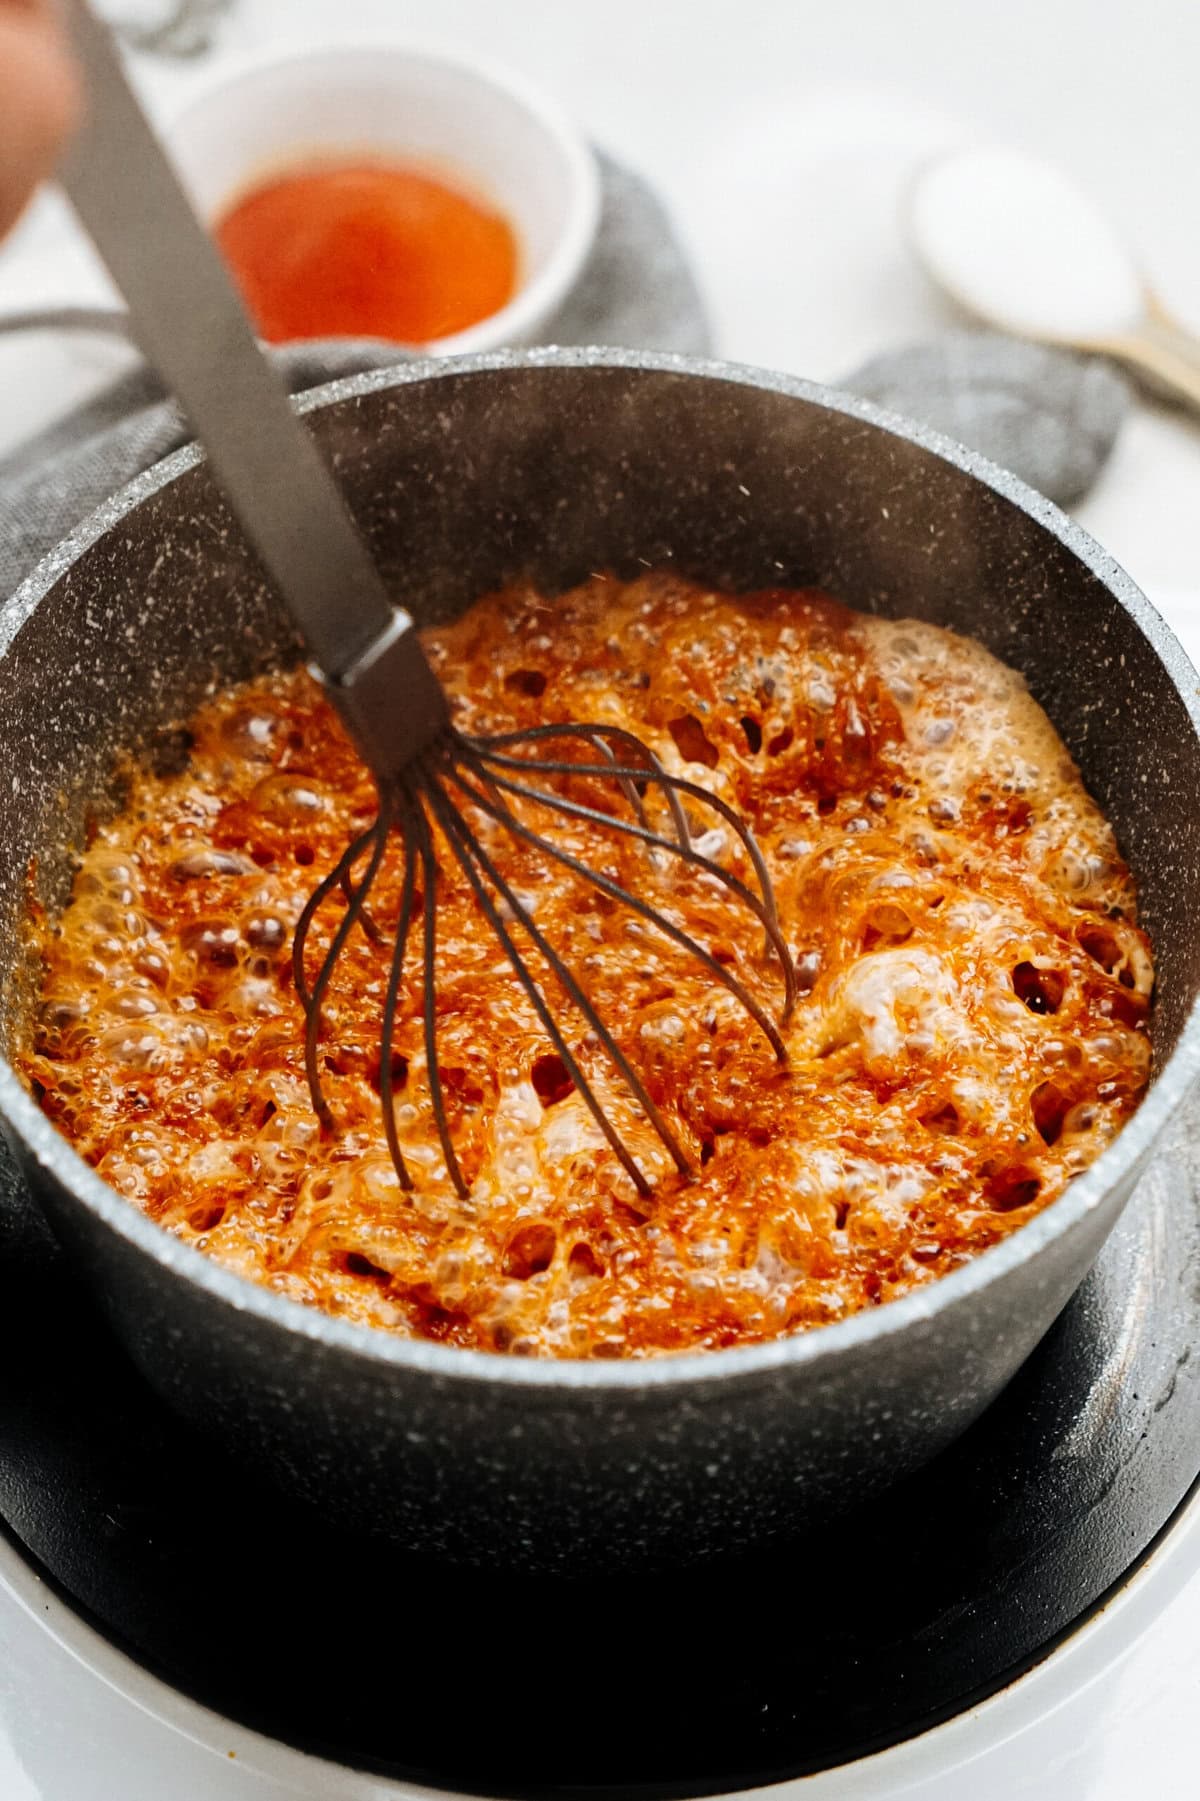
x=861, y=1633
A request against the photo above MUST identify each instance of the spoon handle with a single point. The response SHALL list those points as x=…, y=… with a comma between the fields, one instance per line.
x=1164, y=353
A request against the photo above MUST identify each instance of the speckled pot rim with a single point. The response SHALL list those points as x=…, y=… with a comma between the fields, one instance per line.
x=813, y=1349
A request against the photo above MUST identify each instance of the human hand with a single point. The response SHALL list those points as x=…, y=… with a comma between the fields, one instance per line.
x=39, y=98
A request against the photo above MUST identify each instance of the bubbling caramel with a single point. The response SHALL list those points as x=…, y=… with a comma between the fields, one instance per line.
x=972, y=1029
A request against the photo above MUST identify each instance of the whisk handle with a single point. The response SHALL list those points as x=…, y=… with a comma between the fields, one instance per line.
x=391, y=701
x=190, y=323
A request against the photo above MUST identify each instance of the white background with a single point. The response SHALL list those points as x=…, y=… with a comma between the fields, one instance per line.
x=781, y=134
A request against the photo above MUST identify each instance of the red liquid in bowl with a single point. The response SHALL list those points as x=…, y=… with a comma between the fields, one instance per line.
x=367, y=250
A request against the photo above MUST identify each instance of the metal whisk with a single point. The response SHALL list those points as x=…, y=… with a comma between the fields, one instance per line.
x=431, y=792
x=431, y=777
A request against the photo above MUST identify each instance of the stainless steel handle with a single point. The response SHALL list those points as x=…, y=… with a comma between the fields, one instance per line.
x=190, y=324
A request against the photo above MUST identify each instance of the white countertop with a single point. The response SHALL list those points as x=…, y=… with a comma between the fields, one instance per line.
x=781, y=135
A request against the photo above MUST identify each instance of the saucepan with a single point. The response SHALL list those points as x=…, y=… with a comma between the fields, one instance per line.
x=553, y=463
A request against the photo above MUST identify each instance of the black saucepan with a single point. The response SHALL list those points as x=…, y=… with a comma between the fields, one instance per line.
x=557, y=463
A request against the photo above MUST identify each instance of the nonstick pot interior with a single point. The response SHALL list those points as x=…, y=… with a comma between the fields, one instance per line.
x=552, y=465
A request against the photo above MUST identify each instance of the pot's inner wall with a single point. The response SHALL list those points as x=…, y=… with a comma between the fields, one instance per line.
x=466, y=481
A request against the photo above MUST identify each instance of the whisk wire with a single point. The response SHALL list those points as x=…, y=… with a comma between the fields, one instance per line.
x=614, y=889
x=594, y=816
x=673, y=786
x=628, y=789
x=473, y=859
x=374, y=933
x=763, y=908
x=429, y=870
x=485, y=773
x=345, y=926
x=391, y=1000
x=339, y=877
x=650, y=770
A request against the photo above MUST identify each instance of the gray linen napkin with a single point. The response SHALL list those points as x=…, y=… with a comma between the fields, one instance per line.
x=1048, y=415
x=55, y=480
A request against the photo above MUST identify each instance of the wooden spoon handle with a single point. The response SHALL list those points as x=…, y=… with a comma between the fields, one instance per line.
x=1165, y=354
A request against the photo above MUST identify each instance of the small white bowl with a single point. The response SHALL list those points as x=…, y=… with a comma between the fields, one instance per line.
x=492, y=134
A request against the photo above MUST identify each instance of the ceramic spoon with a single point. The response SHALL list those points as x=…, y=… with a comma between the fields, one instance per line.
x=1017, y=243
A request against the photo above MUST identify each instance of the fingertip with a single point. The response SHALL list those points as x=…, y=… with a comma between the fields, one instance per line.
x=40, y=103
x=61, y=86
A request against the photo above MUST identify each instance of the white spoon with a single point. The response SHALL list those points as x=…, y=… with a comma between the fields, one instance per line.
x=1016, y=242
